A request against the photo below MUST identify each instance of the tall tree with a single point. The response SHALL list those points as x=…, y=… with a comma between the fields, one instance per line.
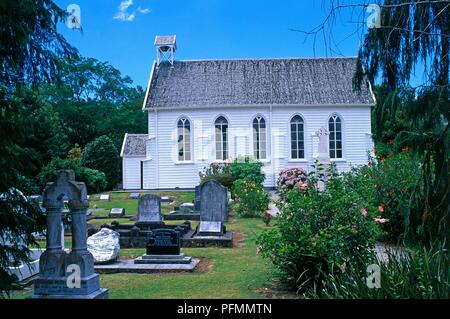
x=405, y=52
x=30, y=47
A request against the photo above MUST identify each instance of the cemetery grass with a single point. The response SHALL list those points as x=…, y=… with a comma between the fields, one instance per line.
x=237, y=272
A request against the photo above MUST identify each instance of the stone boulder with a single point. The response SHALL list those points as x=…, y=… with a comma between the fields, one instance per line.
x=104, y=245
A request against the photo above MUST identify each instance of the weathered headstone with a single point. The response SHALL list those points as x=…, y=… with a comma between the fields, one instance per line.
x=104, y=197
x=134, y=196
x=166, y=199
x=213, y=208
x=117, y=212
x=55, y=265
x=197, y=198
x=214, y=202
x=149, y=209
x=186, y=208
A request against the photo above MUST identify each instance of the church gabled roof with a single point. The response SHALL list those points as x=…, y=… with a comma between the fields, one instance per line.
x=297, y=81
x=133, y=145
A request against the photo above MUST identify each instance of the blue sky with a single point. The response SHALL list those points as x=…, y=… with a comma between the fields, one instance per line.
x=122, y=32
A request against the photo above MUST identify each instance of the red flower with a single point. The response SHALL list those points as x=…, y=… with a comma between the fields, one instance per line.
x=390, y=154
x=381, y=208
x=382, y=158
x=391, y=141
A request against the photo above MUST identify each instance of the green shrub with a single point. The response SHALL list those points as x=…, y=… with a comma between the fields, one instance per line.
x=220, y=172
x=248, y=169
x=388, y=185
x=224, y=179
x=412, y=273
x=101, y=154
x=250, y=199
x=320, y=230
x=95, y=180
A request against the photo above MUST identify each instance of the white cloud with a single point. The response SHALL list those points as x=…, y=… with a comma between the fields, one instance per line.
x=122, y=13
x=125, y=4
x=143, y=10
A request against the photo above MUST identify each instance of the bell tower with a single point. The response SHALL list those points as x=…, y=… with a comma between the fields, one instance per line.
x=165, y=48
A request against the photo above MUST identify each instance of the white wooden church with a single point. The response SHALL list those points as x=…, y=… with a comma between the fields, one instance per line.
x=204, y=111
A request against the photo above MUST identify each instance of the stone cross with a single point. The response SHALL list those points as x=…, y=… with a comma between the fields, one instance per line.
x=56, y=267
x=324, y=145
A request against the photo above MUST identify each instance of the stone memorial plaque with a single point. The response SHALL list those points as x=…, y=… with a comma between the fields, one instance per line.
x=104, y=197
x=186, y=208
x=149, y=209
x=166, y=199
x=212, y=228
x=134, y=196
x=117, y=212
x=163, y=242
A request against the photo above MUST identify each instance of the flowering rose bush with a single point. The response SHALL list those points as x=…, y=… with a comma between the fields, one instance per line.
x=291, y=178
x=250, y=198
x=321, y=231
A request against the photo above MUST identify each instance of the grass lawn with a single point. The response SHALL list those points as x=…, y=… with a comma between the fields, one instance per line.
x=237, y=272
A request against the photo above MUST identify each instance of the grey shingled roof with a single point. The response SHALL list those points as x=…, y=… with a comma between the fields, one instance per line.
x=308, y=81
x=134, y=145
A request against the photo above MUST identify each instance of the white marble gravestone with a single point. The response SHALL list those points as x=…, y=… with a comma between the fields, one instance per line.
x=149, y=209
x=117, y=212
x=104, y=197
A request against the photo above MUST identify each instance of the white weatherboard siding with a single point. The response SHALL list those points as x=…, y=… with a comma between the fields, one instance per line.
x=131, y=167
x=162, y=169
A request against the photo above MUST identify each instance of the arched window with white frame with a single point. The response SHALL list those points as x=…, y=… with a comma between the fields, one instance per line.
x=335, y=129
x=259, y=138
x=221, y=132
x=297, y=138
x=184, y=139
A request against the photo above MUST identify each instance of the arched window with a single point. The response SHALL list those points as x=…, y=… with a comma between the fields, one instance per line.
x=259, y=138
x=221, y=126
x=335, y=128
x=297, y=138
x=184, y=140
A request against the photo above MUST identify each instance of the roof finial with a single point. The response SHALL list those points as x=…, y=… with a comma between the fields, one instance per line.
x=165, y=48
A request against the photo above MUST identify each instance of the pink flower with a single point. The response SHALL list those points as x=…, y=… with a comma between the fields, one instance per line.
x=381, y=208
x=380, y=220
x=363, y=212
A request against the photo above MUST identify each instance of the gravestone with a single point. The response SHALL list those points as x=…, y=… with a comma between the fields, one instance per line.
x=197, y=198
x=149, y=209
x=163, y=242
x=117, y=212
x=163, y=247
x=213, y=208
x=104, y=197
x=56, y=267
x=186, y=208
x=134, y=196
x=324, y=145
x=166, y=199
